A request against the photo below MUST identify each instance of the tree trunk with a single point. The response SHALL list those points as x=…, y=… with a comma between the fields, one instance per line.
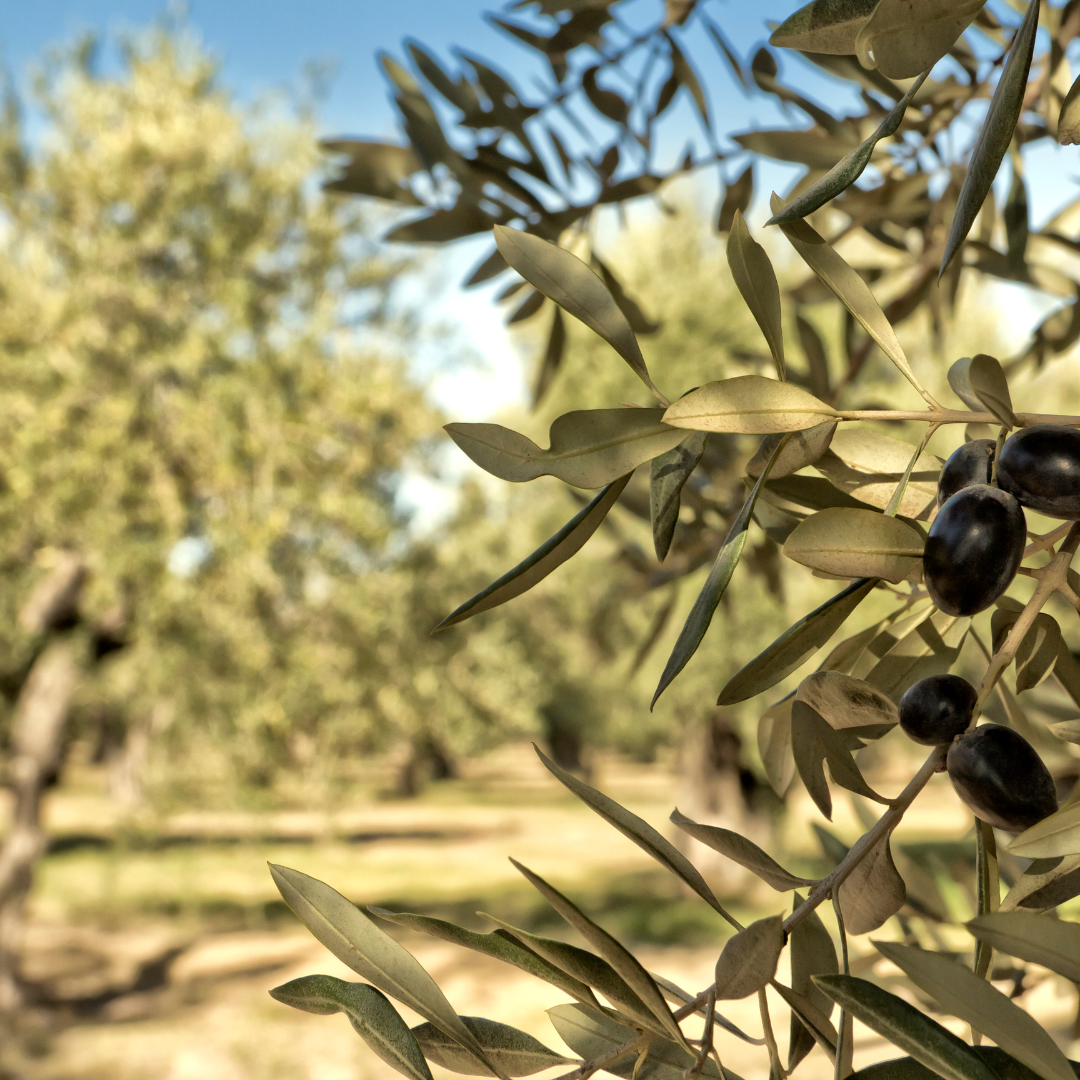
x=37, y=739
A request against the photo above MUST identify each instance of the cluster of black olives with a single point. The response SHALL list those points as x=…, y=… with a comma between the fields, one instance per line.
x=994, y=769
x=977, y=540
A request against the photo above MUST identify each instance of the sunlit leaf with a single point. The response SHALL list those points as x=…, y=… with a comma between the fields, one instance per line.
x=824, y=26
x=752, y=272
x=1054, y=943
x=910, y=36
x=873, y=892
x=1044, y=885
x=803, y=448
x=515, y=1052
x=988, y=384
x=1058, y=834
x=856, y=543
x=847, y=703
x=929, y=648
x=748, y=405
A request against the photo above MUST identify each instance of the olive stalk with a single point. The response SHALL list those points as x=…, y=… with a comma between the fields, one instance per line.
x=1046, y=541
x=1051, y=578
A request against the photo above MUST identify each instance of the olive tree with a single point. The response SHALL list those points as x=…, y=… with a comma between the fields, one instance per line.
x=957, y=559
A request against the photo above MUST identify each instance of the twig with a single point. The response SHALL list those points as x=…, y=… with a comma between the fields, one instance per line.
x=1047, y=540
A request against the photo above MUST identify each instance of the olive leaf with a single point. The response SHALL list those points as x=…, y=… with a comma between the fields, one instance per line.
x=374, y=168
x=1067, y=672
x=1066, y=730
x=1068, y=124
x=669, y=473
x=909, y=36
x=960, y=381
x=849, y=288
x=1045, y=884
x=895, y=630
x=352, y=936
x=850, y=167
x=586, y=967
x=1058, y=834
x=795, y=645
x=371, y=1015
x=700, y=616
x=737, y=197
x=847, y=703
x=549, y=556
x=811, y=951
x=748, y=405
x=989, y=385
x=812, y=492
x=930, y=648
x=906, y=1026
x=624, y=963
x=748, y=960
x=774, y=744
x=739, y=849
x=803, y=448
x=848, y=653
x=868, y=466
x=753, y=274
x=1053, y=943
x=961, y=992
x=552, y=358
x=813, y=742
x=856, y=543
x=812, y=1018
x=1004, y=1065
x=564, y=278
x=824, y=26
x=873, y=892
x=995, y=135
x=1037, y=652
x=637, y=830
x=589, y=448
x=498, y=944
x=676, y=993
x=516, y=1052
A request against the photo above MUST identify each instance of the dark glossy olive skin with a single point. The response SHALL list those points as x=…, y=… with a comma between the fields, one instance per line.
x=1040, y=466
x=974, y=548
x=937, y=709
x=971, y=464
x=997, y=772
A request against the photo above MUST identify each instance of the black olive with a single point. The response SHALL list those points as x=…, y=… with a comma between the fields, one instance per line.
x=997, y=772
x=971, y=464
x=937, y=709
x=1040, y=466
x=974, y=548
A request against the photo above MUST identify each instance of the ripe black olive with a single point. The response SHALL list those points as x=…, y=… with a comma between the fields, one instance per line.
x=937, y=709
x=1040, y=466
x=971, y=464
x=997, y=772
x=974, y=548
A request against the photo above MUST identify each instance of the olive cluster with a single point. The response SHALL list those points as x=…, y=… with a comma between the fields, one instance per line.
x=976, y=543
x=994, y=769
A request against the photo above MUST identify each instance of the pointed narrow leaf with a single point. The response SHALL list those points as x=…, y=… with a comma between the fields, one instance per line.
x=906, y=1027
x=636, y=830
x=498, y=944
x=744, y=852
x=873, y=892
x=727, y=558
x=589, y=448
x=564, y=278
x=549, y=556
x=1054, y=943
x=1037, y=652
x=824, y=26
x=670, y=471
x=795, y=645
x=803, y=448
x=961, y=384
x=737, y=197
x=850, y=167
x=748, y=405
x=357, y=942
x=748, y=960
x=774, y=744
x=989, y=385
x=515, y=1052
x=812, y=953
x=627, y=966
x=754, y=275
x=813, y=1019
x=371, y=1014
x=1044, y=885
x=1068, y=125
x=552, y=358
x=961, y=992
x=930, y=648
x=996, y=134
x=1058, y=834
x=856, y=543
x=849, y=288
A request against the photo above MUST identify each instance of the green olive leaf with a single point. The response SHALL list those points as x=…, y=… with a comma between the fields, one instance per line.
x=1037, y=652
x=1054, y=943
x=1067, y=672
x=824, y=26
x=815, y=1020
x=1065, y=730
x=1004, y=1065
x=873, y=892
x=774, y=744
x=589, y=448
x=996, y=134
x=929, y=648
x=812, y=147
x=1044, y=885
x=352, y=936
x=1058, y=834
x=811, y=950
x=371, y=1015
x=748, y=960
x=516, y=1052
x=850, y=167
x=961, y=992
x=549, y=556
x=1068, y=125
x=374, y=168
x=907, y=1027
x=856, y=543
x=748, y=405
x=910, y=36
x=738, y=194
x=846, y=703
x=960, y=382
x=989, y=385
x=803, y=448
x=792, y=493
x=669, y=473
x=753, y=274
x=564, y=278
x=795, y=645
x=868, y=466
x=849, y=289
x=744, y=852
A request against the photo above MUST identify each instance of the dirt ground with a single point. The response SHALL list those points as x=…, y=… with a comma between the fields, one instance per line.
x=153, y=944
